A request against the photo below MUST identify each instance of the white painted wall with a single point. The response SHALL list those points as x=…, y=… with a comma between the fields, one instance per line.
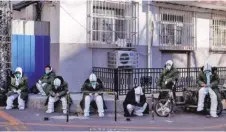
x=203, y=30
x=73, y=21
x=27, y=13
x=142, y=23
x=51, y=13
x=75, y=62
x=154, y=17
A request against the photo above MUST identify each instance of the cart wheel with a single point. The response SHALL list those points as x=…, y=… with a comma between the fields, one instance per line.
x=163, y=107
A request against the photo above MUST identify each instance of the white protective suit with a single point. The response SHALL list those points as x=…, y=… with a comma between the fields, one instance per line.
x=138, y=111
x=98, y=99
x=57, y=82
x=205, y=90
x=11, y=98
x=41, y=85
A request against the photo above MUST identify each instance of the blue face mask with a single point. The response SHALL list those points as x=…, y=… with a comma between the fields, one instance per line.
x=47, y=72
x=17, y=75
x=94, y=84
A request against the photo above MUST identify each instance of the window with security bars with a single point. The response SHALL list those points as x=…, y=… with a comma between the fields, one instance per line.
x=218, y=32
x=113, y=22
x=176, y=27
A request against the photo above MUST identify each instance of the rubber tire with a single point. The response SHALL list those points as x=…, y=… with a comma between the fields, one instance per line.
x=156, y=108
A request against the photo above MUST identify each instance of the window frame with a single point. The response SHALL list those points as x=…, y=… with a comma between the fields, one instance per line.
x=217, y=29
x=121, y=17
x=183, y=29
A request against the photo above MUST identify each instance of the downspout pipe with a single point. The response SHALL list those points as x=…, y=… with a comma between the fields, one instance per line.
x=149, y=25
x=147, y=33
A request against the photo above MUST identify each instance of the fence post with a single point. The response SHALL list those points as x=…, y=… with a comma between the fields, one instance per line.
x=116, y=84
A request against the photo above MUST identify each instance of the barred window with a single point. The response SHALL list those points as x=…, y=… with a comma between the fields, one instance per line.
x=113, y=22
x=176, y=27
x=218, y=32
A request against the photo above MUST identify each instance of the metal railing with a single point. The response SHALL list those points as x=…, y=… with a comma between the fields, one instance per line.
x=122, y=80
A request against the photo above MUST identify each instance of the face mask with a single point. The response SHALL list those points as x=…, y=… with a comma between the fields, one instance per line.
x=46, y=71
x=94, y=84
x=168, y=67
x=17, y=75
x=56, y=87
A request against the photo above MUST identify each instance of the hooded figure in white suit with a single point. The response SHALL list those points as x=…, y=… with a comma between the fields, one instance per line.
x=17, y=89
x=208, y=81
x=135, y=103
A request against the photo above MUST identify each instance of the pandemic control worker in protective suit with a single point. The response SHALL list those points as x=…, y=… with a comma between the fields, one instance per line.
x=92, y=85
x=17, y=89
x=208, y=80
x=167, y=78
x=58, y=92
x=44, y=84
x=135, y=103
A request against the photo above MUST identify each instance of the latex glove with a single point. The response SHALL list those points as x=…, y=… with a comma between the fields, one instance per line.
x=57, y=95
x=19, y=91
x=166, y=82
x=14, y=90
x=90, y=94
x=96, y=94
x=39, y=81
x=43, y=85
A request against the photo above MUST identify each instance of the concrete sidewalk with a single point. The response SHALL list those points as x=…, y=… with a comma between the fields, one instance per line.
x=37, y=102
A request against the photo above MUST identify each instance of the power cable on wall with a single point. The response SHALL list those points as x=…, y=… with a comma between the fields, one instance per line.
x=72, y=17
x=74, y=20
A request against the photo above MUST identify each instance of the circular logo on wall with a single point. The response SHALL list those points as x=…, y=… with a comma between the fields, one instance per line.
x=124, y=58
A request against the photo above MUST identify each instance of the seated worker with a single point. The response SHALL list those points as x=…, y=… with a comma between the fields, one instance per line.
x=18, y=89
x=93, y=84
x=167, y=78
x=135, y=103
x=208, y=80
x=44, y=84
x=58, y=92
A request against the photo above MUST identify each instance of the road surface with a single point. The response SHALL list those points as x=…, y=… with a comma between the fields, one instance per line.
x=33, y=120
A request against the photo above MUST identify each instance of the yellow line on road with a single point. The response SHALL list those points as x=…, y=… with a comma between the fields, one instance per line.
x=17, y=124
x=117, y=126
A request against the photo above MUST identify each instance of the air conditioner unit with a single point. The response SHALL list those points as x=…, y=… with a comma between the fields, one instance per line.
x=122, y=59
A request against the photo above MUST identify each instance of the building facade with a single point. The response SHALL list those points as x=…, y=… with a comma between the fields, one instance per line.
x=83, y=32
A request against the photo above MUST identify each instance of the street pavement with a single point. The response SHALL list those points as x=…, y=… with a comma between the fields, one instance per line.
x=33, y=120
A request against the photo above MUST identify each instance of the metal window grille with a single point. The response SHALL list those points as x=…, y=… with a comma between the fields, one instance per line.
x=218, y=32
x=176, y=27
x=113, y=22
